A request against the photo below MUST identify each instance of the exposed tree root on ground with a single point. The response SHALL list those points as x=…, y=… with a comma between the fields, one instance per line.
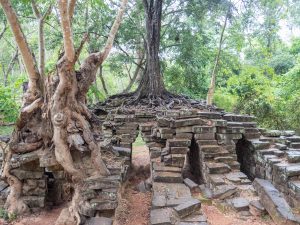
x=166, y=100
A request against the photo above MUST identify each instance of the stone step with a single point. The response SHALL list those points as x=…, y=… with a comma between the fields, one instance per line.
x=293, y=138
x=178, y=143
x=207, y=142
x=224, y=159
x=212, y=155
x=217, y=168
x=292, y=170
x=271, y=151
x=295, y=145
x=234, y=165
x=160, y=167
x=187, y=208
x=210, y=115
x=252, y=135
x=216, y=179
x=167, y=177
x=259, y=145
x=280, y=146
x=210, y=148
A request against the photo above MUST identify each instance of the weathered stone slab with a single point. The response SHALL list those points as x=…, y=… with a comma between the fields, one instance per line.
x=256, y=208
x=274, y=203
x=165, y=216
x=195, y=218
x=122, y=151
x=218, y=168
x=204, y=129
x=179, y=150
x=189, y=122
x=179, y=143
x=99, y=204
x=293, y=156
x=159, y=167
x=192, y=185
x=224, y=191
x=99, y=221
x=22, y=174
x=217, y=179
x=184, y=135
x=103, y=182
x=187, y=208
x=206, y=136
x=167, y=177
x=239, y=204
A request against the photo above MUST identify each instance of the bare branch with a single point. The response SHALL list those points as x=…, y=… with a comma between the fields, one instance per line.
x=35, y=9
x=66, y=29
x=4, y=29
x=10, y=66
x=47, y=12
x=111, y=37
x=27, y=56
x=79, y=49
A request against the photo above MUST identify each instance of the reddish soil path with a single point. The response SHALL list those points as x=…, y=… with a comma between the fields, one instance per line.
x=135, y=208
x=217, y=217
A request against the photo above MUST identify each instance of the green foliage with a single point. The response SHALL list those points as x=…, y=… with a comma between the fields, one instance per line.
x=8, y=106
x=10, y=217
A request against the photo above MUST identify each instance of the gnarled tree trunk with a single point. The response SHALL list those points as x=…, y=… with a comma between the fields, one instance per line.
x=54, y=114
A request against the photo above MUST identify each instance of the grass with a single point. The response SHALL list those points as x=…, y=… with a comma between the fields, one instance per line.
x=139, y=141
x=6, y=130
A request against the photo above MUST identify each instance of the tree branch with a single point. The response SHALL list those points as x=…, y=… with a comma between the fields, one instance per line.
x=27, y=56
x=35, y=9
x=3, y=30
x=111, y=37
x=41, y=22
x=71, y=6
x=66, y=29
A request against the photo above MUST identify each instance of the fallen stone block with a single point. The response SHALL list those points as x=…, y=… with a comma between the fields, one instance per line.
x=224, y=191
x=256, y=208
x=187, y=208
x=274, y=203
x=192, y=185
x=239, y=204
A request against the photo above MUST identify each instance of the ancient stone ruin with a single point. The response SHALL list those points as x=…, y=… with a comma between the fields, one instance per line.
x=224, y=156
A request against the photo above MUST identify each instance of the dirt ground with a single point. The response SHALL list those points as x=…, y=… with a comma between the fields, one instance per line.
x=135, y=206
x=216, y=217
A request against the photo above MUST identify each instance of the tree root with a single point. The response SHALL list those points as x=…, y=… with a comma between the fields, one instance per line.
x=14, y=202
x=166, y=101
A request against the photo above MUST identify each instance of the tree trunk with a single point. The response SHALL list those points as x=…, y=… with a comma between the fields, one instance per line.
x=102, y=80
x=211, y=90
x=151, y=85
